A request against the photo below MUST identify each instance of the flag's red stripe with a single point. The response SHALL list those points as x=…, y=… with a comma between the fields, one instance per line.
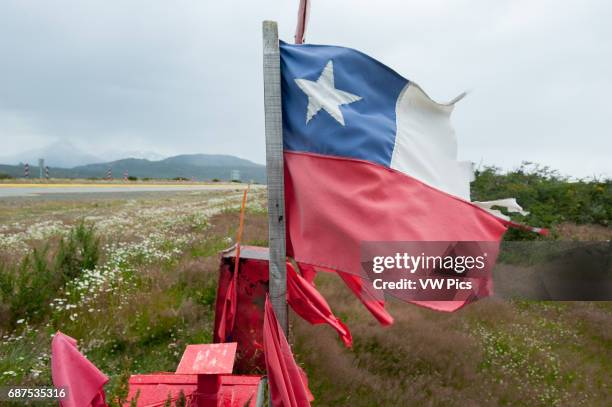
x=332, y=204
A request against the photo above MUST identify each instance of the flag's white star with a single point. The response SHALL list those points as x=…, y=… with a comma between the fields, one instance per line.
x=323, y=95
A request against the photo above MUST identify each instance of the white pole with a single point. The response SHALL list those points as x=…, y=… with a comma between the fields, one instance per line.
x=274, y=164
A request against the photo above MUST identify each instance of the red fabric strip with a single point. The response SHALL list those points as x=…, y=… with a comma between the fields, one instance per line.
x=288, y=383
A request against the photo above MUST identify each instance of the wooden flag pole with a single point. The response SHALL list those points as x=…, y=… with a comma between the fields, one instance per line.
x=274, y=166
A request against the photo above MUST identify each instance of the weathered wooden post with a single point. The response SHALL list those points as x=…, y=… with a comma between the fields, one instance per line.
x=274, y=164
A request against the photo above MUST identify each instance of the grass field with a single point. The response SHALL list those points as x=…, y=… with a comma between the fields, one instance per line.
x=133, y=279
x=135, y=283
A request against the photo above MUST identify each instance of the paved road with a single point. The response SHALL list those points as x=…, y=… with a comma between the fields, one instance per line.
x=10, y=191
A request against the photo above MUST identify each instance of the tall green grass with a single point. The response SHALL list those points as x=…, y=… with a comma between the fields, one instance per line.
x=27, y=287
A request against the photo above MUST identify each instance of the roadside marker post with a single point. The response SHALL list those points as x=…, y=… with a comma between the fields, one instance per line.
x=274, y=167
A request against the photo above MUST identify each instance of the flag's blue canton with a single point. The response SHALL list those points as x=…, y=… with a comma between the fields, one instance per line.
x=370, y=127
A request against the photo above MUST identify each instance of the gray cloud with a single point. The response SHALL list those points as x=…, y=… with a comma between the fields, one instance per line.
x=185, y=76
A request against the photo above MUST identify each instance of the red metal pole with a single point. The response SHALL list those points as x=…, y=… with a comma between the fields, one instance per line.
x=302, y=21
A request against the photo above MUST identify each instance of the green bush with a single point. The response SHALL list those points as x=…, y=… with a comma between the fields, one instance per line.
x=132, y=178
x=27, y=288
x=80, y=250
x=24, y=289
x=5, y=176
x=550, y=198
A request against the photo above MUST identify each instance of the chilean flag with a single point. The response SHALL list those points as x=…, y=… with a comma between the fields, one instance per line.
x=369, y=157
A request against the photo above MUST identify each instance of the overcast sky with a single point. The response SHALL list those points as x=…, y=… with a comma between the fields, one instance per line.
x=185, y=76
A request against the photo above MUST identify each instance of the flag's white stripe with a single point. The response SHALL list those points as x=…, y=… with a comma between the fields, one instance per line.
x=425, y=143
x=426, y=149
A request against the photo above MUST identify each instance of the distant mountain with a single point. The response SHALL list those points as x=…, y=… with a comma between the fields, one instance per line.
x=114, y=155
x=199, y=166
x=60, y=154
x=64, y=154
x=206, y=160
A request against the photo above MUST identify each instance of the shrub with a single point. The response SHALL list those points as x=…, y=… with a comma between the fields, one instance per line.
x=132, y=178
x=5, y=176
x=79, y=251
x=27, y=288
x=550, y=198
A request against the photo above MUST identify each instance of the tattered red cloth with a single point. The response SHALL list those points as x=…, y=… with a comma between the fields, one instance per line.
x=288, y=383
x=308, y=303
x=303, y=298
x=228, y=311
x=375, y=304
x=71, y=370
